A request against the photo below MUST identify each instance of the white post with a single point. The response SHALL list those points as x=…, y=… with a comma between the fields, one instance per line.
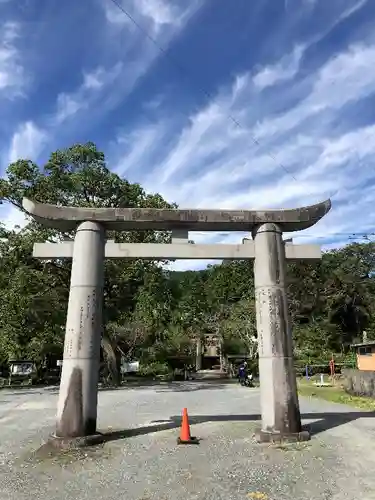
x=279, y=399
x=77, y=404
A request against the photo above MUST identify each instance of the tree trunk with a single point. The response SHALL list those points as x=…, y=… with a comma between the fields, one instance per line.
x=222, y=357
x=198, y=356
x=113, y=359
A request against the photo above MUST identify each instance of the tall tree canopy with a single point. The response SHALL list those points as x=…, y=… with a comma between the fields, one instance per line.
x=34, y=293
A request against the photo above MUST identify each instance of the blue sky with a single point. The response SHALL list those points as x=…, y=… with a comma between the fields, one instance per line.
x=249, y=104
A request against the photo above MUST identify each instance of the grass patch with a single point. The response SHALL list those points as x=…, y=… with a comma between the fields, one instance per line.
x=335, y=394
x=292, y=446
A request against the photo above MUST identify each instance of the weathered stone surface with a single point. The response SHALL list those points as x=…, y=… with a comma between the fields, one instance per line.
x=73, y=443
x=77, y=405
x=359, y=382
x=279, y=437
x=279, y=398
x=128, y=219
x=162, y=251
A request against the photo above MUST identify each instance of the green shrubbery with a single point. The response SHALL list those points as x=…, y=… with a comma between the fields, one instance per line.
x=155, y=369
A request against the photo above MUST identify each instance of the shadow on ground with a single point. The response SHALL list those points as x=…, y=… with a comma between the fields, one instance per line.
x=22, y=392
x=322, y=422
x=174, y=386
x=160, y=386
x=193, y=386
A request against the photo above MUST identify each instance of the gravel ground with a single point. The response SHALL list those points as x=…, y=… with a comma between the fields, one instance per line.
x=142, y=460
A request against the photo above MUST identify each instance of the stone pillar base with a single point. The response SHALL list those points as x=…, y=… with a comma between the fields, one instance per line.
x=61, y=443
x=278, y=437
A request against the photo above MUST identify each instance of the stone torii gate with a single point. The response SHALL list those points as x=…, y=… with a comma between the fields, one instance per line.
x=77, y=404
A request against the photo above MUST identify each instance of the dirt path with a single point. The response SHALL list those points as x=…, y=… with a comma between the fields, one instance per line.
x=337, y=463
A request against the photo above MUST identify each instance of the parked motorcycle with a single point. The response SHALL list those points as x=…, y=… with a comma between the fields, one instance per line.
x=247, y=381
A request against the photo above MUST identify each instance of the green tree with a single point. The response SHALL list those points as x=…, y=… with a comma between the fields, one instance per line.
x=74, y=176
x=240, y=328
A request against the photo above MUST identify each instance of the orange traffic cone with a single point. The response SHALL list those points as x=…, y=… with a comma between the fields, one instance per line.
x=185, y=436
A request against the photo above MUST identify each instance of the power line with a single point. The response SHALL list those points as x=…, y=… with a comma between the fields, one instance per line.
x=186, y=74
x=361, y=234
x=348, y=235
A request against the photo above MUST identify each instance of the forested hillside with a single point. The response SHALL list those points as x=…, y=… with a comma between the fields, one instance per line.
x=150, y=312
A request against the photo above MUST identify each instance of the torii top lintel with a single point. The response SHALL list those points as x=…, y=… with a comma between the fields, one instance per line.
x=132, y=219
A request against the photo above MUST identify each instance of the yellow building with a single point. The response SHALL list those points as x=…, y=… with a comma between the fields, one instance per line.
x=365, y=355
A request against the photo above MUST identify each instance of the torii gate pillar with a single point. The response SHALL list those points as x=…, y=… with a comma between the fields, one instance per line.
x=280, y=412
x=78, y=396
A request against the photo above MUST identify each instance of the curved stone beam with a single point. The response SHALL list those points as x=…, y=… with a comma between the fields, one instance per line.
x=131, y=219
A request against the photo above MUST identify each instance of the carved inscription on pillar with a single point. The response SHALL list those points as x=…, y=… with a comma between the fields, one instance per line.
x=88, y=321
x=94, y=307
x=259, y=294
x=68, y=348
x=270, y=318
x=81, y=328
x=278, y=323
x=274, y=321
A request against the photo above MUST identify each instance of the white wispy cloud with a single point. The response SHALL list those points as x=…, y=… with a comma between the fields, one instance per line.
x=113, y=14
x=160, y=12
x=342, y=13
x=27, y=142
x=86, y=95
x=284, y=70
x=344, y=79
x=156, y=13
x=12, y=74
x=352, y=9
x=215, y=163
x=135, y=147
x=106, y=86
x=102, y=88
